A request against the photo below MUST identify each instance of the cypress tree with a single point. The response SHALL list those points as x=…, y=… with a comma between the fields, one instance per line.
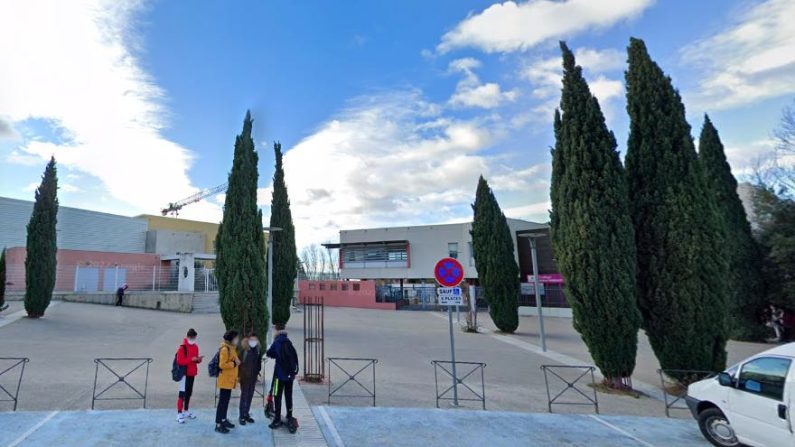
x=493, y=249
x=3, y=279
x=240, y=244
x=746, y=291
x=285, y=257
x=40, y=260
x=681, y=269
x=592, y=234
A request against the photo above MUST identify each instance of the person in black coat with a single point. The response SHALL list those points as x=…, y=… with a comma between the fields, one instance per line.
x=248, y=374
x=120, y=294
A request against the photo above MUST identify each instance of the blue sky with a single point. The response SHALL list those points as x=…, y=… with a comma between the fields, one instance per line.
x=388, y=111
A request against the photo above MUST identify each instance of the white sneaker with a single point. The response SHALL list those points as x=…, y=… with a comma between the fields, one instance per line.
x=180, y=418
x=190, y=415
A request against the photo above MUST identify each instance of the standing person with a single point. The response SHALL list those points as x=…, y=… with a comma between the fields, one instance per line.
x=227, y=379
x=283, y=351
x=777, y=321
x=250, y=366
x=188, y=357
x=120, y=294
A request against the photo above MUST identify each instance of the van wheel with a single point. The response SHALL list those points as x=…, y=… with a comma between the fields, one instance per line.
x=716, y=428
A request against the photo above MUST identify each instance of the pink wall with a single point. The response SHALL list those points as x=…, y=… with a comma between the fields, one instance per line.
x=359, y=294
x=139, y=266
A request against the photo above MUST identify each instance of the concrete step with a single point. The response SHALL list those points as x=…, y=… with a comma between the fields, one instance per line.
x=206, y=303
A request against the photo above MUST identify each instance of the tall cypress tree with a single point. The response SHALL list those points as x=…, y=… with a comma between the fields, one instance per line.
x=285, y=257
x=3, y=279
x=746, y=291
x=592, y=233
x=240, y=244
x=493, y=249
x=681, y=268
x=40, y=260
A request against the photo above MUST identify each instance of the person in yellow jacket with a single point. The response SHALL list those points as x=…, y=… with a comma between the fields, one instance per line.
x=227, y=379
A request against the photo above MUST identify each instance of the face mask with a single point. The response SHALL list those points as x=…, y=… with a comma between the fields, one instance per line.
x=253, y=343
x=191, y=341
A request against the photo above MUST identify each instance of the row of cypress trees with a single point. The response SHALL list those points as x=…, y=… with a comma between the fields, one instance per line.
x=649, y=244
x=240, y=244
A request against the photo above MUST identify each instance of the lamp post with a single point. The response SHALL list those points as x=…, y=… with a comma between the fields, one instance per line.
x=270, y=230
x=539, y=308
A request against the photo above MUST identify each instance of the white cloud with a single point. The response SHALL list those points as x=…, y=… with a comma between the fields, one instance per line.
x=750, y=60
x=70, y=64
x=470, y=92
x=511, y=26
x=746, y=158
x=384, y=161
x=537, y=212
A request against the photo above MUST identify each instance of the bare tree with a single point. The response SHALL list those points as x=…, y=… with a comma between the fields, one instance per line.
x=311, y=258
x=331, y=258
x=781, y=168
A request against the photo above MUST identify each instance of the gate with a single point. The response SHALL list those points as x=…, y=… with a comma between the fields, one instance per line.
x=341, y=363
x=111, y=365
x=580, y=372
x=445, y=366
x=314, y=351
x=16, y=363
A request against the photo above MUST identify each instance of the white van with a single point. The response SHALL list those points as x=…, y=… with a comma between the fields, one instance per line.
x=749, y=403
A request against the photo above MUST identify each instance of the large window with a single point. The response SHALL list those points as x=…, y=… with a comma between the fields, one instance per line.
x=765, y=376
x=375, y=256
x=452, y=250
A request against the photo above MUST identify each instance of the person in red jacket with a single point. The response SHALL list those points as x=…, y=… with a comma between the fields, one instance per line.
x=187, y=356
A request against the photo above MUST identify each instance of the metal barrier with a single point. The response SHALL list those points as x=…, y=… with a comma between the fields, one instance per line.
x=570, y=385
x=120, y=378
x=674, y=383
x=314, y=345
x=473, y=367
x=334, y=361
x=17, y=362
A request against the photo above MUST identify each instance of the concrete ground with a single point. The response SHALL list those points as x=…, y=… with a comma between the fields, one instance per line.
x=430, y=427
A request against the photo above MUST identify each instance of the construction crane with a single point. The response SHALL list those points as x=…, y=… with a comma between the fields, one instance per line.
x=174, y=207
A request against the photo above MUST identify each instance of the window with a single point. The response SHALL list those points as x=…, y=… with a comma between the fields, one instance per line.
x=376, y=256
x=765, y=376
x=322, y=286
x=452, y=250
x=356, y=286
x=311, y=286
x=344, y=286
x=333, y=286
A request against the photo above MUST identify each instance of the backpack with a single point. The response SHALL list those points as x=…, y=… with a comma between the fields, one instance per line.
x=178, y=371
x=288, y=359
x=212, y=368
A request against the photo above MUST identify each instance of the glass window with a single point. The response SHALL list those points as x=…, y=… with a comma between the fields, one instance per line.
x=344, y=286
x=355, y=286
x=452, y=250
x=322, y=286
x=333, y=286
x=765, y=376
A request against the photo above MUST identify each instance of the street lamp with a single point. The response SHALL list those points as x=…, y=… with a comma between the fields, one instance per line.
x=542, y=334
x=270, y=230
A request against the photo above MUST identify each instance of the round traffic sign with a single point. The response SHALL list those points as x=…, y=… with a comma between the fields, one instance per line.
x=449, y=272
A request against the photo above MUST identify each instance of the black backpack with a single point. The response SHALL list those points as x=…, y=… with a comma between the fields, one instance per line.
x=178, y=371
x=212, y=368
x=288, y=359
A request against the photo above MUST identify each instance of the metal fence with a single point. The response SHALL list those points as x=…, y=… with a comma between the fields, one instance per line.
x=314, y=343
x=570, y=376
x=462, y=391
x=674, y=383
x=105, y=278
x=112, y=366
x=8, y=367
x=346, y=365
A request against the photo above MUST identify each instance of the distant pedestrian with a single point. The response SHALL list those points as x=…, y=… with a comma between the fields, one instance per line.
x=283, y=351
x=776, y=321
x=248, y=374
x=120, y=294
x=189, y=358
x=228, y=363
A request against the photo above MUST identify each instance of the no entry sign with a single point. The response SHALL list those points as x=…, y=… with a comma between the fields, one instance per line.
x=449, y=272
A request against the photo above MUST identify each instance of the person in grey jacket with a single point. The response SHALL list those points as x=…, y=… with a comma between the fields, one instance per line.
x=248, y=374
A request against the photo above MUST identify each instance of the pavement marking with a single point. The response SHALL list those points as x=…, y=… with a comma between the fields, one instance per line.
x=623, y=432
x=25, y=435
x=330, y=426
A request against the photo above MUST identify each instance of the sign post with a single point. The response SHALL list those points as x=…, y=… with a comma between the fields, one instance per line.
x=449, y=273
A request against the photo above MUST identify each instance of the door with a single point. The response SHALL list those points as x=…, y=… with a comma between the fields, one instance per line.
x=87, y=279
x=113, y=278
x=758, y=405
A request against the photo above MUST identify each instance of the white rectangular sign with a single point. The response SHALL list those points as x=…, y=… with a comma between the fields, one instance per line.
x=450, y=296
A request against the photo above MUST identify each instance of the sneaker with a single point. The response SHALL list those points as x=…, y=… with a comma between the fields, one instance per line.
x=221, y=429
x=180, y=418
x=190, y=415
x=249, y=420
x=292, y=424
x=275, y=424
x=228, y=424
x=241, y=421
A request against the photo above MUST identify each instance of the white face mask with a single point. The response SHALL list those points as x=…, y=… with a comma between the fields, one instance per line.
x=253, y=343
x=191, y=341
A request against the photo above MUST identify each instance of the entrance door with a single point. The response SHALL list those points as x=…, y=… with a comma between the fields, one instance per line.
x=113, y=278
